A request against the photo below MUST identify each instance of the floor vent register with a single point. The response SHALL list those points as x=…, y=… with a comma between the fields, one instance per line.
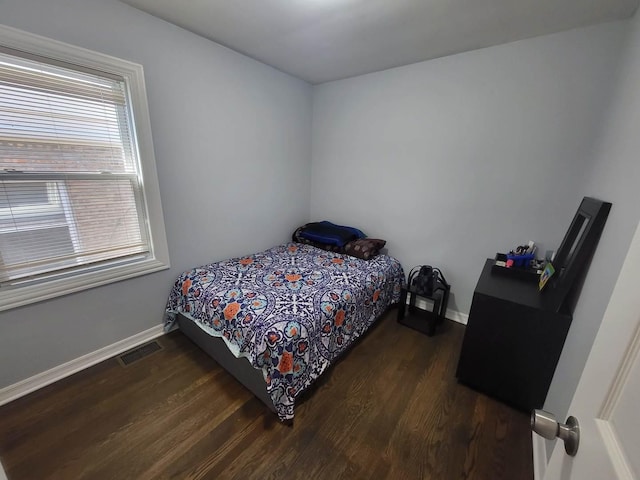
x=139, y=353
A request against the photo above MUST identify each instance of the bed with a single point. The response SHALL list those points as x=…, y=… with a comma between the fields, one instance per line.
x=277, y=319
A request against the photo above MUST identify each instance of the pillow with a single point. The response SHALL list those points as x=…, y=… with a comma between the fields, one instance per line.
x=364, y=248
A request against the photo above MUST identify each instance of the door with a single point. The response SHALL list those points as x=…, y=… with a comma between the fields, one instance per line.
x=607, y=400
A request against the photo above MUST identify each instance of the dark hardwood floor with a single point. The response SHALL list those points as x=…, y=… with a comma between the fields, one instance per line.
x=390, y=409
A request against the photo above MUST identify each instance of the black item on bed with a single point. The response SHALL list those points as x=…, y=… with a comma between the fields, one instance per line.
x=360, y=247
x=330, y=233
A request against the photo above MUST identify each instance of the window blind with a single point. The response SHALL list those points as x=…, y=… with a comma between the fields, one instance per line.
x=70, y=187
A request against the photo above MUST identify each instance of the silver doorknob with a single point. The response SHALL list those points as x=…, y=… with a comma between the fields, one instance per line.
x=546, y=425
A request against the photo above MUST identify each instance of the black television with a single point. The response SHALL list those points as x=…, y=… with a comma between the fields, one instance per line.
x=574, y=255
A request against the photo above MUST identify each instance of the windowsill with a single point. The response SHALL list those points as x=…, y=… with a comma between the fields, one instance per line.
x=28, y=294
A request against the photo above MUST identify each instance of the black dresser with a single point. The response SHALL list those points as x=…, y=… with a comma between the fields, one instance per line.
x=512, y=342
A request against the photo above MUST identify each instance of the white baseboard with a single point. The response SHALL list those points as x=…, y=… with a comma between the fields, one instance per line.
x=457, y=316
x=450, y=314
x=40, y=380
x=17, y=390
x=539, y=456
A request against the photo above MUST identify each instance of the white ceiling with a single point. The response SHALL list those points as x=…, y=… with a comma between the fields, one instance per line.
x=323, y=40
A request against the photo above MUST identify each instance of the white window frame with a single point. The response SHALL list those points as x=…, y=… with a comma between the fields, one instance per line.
x=26, y=293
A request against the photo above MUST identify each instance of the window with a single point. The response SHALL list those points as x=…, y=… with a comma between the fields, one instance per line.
x=79, y=202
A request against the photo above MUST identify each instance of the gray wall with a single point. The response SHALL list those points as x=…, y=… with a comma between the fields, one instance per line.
x=454, y=159
x=613, y=176
x=232, y=140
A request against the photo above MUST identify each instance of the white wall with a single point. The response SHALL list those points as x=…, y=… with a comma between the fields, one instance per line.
x=614, y=176
x=232, y=140
x=454, y=159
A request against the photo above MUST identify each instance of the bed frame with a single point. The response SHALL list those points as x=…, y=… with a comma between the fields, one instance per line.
x=240, y=368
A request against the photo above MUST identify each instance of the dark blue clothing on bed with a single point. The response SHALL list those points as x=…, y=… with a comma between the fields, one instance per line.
x=330, y=233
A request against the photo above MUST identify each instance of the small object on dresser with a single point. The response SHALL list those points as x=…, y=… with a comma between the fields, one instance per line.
x=546, y=275
x=503, y=265
x=501, y=260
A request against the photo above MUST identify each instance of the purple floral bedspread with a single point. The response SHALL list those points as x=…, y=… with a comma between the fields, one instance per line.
x=290, y=310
